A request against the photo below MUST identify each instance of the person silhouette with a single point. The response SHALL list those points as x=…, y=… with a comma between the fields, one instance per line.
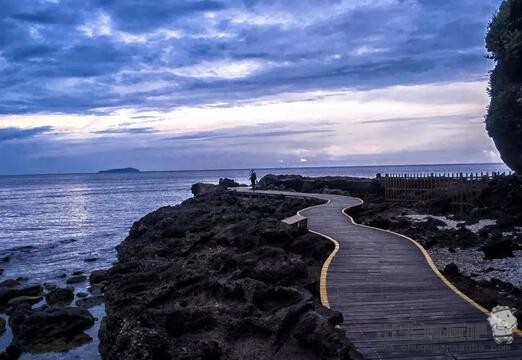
x=253, y=178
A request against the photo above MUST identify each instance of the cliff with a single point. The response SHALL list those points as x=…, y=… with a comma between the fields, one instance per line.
x=220, y=277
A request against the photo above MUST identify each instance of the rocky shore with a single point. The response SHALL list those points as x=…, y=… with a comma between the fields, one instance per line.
x=45, y=317
x=220, y=277
x=479, y=251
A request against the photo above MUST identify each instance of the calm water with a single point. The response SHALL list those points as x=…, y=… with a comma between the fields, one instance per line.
x=51, y=223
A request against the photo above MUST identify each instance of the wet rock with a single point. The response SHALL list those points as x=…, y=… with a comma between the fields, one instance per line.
x=97, y=289
x=12, y=352
x=11, y=292
x=49, y=286
x=60, y=296
x=37, y=330
x=24, y=299
x=9, y=283
x=2, y=325
x=61, y=276
x=90, y=259
x=97, y=276
x=82, y=294
x=6, y=259
x=1, y=271
x=451, y=269
x=77, y=272
x=498, y=249
x=75, y=279
x=89, y=302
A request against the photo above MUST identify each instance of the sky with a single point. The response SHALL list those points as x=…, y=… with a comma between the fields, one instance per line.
x=207, y=84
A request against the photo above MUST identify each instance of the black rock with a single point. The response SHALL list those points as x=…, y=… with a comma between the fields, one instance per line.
x=226, y=182
x=90, y=259
x=9, y=283
x=380, y=223
x=498, y=249
x=75, y=279
x=24, y=299
x=39, y=328
x=97, y=289
x=89, y=302
x=97, y=276
x=218, y=277
x=451, y=269
x=202, y=188
x=8, y=293
x=60, y=296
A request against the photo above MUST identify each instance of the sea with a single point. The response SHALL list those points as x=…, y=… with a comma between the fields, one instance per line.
x=53, y=225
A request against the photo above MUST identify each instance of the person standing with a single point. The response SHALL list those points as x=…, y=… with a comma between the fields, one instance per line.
x=253, y=178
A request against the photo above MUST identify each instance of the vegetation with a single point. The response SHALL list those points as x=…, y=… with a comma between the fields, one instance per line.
x=504, y=118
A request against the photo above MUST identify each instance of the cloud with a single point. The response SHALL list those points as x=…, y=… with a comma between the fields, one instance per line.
x=118, y=78
x=13, y=133
x=239, y=133
x=199, y=52
x=135, y=131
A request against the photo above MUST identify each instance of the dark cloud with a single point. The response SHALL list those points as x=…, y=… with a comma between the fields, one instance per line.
x=13, y=133
x=70, y=56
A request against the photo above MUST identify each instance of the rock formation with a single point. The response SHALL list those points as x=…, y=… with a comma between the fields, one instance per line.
x=220, y=277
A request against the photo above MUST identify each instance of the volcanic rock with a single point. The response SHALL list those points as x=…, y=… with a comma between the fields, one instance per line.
x=60, y=296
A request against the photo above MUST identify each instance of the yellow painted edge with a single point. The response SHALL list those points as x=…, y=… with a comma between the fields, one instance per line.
x=432, y=265
x=323, y=292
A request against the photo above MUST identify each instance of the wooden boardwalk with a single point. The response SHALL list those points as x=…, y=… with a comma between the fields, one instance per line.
x=395, y=304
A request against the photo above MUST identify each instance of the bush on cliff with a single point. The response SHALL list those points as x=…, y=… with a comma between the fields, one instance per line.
x=504, y=118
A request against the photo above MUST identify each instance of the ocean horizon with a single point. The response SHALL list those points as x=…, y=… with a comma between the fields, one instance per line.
x=409, y=167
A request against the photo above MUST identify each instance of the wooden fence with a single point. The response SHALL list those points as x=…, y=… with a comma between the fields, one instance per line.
x=460, y=188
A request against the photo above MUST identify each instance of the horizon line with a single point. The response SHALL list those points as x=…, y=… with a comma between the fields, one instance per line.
x=248, y=168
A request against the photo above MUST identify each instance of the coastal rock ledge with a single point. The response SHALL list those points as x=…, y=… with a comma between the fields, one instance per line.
x=220, y=277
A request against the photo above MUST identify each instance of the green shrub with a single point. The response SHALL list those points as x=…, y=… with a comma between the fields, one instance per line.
x=504, y=118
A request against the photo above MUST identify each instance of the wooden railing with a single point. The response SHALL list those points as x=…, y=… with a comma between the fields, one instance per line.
x=460, y=189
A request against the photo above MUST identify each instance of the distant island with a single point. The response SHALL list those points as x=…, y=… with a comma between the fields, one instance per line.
x=119, y=171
